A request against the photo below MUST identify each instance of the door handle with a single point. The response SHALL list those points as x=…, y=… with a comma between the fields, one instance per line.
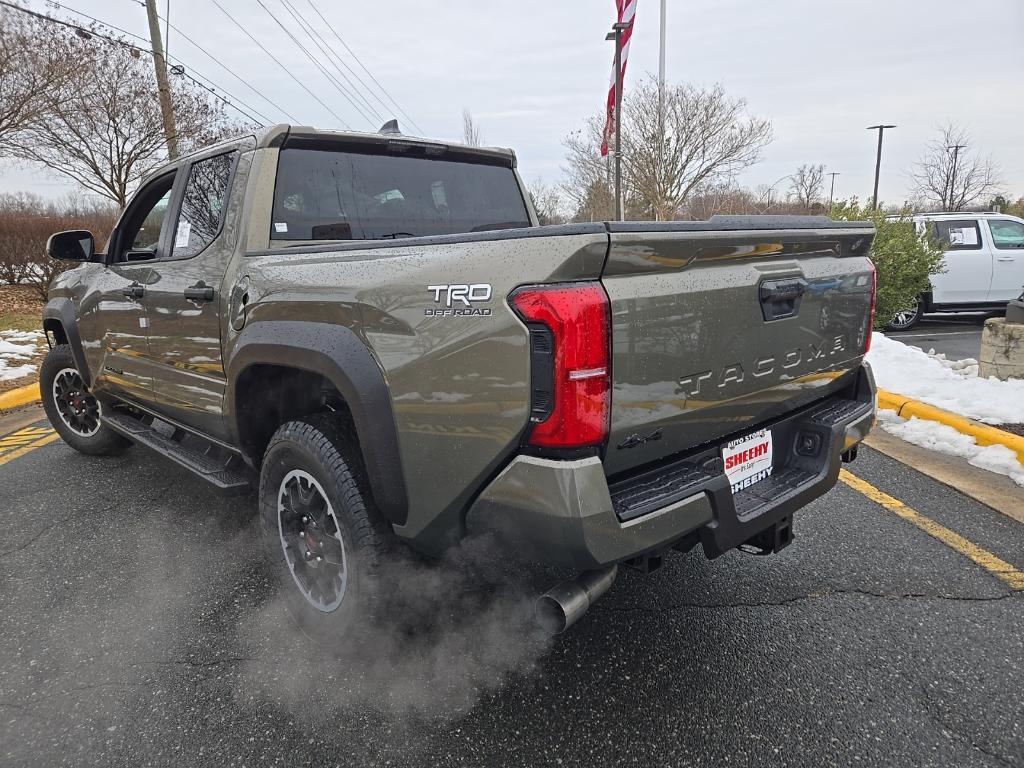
x=199, y=292
x=1004, y=258
x=134, y=291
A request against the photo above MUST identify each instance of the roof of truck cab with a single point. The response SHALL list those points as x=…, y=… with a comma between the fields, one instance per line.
x=958, y=215
x=305, y=136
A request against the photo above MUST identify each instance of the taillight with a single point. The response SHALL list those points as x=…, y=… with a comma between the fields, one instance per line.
x=871, y=312
x=571, y=382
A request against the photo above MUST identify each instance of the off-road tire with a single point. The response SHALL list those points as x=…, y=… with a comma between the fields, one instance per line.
x=320, y=447
x=104, y=441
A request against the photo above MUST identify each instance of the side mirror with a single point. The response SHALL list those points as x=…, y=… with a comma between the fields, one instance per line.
x=73, y=245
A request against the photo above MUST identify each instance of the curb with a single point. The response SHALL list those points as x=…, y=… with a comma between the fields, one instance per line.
x=983, y=434
x=15, y=398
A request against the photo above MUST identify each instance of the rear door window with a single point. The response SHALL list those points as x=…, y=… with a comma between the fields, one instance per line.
x=202, y=205
x=337, y=195
x=957, y=234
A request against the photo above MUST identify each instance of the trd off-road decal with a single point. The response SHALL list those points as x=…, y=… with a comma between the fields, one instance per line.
x=459, y=300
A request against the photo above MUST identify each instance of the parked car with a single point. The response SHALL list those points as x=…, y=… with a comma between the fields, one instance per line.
x=374, y=333
x=983, y=263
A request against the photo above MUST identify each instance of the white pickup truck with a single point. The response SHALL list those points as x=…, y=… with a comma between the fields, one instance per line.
x=983, y=264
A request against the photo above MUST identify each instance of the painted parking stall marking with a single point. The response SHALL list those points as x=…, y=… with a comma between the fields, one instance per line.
x=24, y=440
x=995, y=565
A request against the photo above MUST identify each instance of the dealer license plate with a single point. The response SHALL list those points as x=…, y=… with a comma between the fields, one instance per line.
x=748, y=460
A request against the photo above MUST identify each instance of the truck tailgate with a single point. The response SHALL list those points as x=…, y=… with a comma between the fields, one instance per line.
x=724, y=325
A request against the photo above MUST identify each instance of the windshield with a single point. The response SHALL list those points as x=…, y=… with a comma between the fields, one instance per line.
x=326, y=195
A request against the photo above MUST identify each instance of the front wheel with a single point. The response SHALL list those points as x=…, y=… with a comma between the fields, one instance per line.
x=322, y=535
x=72, y=410
x=906, y=319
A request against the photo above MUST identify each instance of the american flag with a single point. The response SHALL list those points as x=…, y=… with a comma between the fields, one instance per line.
x=626, y=10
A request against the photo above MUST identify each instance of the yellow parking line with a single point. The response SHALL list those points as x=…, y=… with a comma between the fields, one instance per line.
x=24, y=440
x=994, y=565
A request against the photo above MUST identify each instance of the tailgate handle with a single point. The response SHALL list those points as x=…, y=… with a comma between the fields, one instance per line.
x=781, y=298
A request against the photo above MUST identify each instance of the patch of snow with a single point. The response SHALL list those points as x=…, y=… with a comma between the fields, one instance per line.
x=950, y=384
x=944, y=439
x=17, y=336
x=17, y=372
x=9, y=350
x=967, y=367
x=12, y=354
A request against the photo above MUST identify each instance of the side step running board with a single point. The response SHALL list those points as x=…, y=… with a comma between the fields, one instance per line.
x=226, y=479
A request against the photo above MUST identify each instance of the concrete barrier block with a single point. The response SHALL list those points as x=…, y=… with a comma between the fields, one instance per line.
x=1002, y=349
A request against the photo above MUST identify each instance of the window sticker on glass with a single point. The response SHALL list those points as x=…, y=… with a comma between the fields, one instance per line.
x=182, y=235
x=963, y=236
x=280, y=226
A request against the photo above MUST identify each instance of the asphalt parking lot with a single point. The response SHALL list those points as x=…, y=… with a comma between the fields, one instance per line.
x=957, y=336
x=139, y=629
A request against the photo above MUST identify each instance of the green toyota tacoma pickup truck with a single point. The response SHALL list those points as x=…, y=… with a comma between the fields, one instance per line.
x=374, y=332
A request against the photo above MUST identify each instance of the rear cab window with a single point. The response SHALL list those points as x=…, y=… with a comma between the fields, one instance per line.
x=957, y=234
x=325, y=194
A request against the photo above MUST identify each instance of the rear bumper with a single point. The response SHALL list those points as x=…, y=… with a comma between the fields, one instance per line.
x=566, y=513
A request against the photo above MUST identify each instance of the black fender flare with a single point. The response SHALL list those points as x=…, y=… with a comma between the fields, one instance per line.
x=61, y=311
x=343, y=358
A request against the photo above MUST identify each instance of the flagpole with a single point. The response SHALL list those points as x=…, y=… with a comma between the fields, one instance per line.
x=661, y=56
x=618, y=122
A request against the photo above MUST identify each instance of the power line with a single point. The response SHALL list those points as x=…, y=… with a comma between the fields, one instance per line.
x=86, y=33
x=262, y=118
x=332, y=57
x=272, y=56
x=367, y=71
x=217, y=61
x=330, y=78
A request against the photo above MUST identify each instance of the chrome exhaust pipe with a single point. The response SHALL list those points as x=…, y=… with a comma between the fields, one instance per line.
x=563, y=605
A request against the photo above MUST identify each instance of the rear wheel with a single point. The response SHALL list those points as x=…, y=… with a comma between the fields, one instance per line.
x=906, y=319
x=321, y=533
x=72, y=410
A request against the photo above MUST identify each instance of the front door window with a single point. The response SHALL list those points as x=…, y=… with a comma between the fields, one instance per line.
x=1007, y=234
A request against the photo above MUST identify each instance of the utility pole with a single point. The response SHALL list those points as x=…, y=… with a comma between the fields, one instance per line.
x=878, y=159
x=160, y=63
x=616, y=34
x=952, y=179
x=167, y=30
x=832, y=189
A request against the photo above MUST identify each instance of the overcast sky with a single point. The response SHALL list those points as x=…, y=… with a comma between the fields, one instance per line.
x=533, y=71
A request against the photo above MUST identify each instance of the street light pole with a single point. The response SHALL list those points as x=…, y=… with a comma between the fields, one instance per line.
x=878, y=159
x=661, y=110
x=952, y=179
x=832, y=189
x=616, y=35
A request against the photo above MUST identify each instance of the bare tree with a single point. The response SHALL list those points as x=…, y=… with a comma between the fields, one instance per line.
x=547, y=202
x=951, y=174
x=36, y=66
x=807, y=184
x=587, y=182
x=707, y=137
x=471, y=133
x=105, y=130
